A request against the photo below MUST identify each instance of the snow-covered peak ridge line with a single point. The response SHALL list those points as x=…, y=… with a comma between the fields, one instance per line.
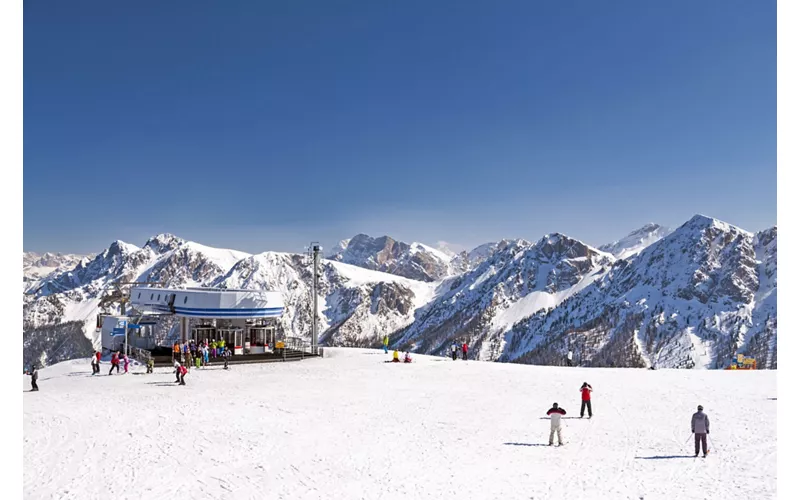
x=636, y=241
x=412, y=260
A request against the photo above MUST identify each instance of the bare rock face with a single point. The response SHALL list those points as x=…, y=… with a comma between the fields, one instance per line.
x=415, y=261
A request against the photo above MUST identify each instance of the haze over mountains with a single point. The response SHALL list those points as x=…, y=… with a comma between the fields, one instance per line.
x=692, y=297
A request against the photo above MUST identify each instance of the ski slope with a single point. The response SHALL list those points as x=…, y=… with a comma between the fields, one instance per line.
x=352, y=426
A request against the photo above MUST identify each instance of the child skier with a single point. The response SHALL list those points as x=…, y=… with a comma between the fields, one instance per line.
x=177, y=365
x=126, y=362
x=226, y=355
x=555, y=413
x=395, y=357
x=183, y=371
x=94, y=366
x=407, y=358
x=586, y=398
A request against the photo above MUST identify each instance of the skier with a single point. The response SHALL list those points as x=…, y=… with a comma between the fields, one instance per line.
x=177, y=365
x=454, y=351
x=150, y=364
x=586, y=399
x=700, y=429
x=226, y=354
x=464, y=350
x=386, y=344
x=114, y=362
x=183, y=371
x=34, y=378
x=126, y=362
x=555, y=413
x=94, y=366
x=395, y=357
x=407, y=358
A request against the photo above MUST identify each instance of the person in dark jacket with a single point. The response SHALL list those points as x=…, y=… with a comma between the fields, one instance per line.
x=700, y=428
x=586, y=399
x=34, y=378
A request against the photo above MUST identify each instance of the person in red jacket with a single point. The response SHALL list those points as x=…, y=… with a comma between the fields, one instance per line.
x=586, y=399
x=464, y=350
x=114, y=362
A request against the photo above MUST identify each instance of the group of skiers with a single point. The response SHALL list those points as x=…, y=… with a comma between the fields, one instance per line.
x=454, y=351
x=115, y=362
x=396, y=357
x=192, y=353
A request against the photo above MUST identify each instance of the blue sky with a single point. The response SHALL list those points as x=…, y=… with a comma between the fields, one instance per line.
x=264, y=125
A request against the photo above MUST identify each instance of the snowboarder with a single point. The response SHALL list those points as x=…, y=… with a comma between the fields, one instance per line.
x=555, y=413
x=183, y=371
x=226, y=355
x=586, y=399
x=125, y=362
x=454, y=351
x=700, y=429
x=177, y=365
x=395, y=357
x=114, y=362
x=34, y=378
x=386, y=344
x=464, y=350
x=407, y=358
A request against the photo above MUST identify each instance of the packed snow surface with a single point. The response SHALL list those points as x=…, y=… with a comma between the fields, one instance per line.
x=352, y=426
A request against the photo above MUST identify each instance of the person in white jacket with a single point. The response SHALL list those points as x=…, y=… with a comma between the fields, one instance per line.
x=177, y=365
x=555, y=413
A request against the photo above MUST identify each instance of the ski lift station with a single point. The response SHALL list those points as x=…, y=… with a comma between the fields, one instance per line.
x=245, y=319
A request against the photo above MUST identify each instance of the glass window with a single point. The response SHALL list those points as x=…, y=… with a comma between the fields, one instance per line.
x=151, y=296
x=159, y=297
x=185, y=299
x=139, y=296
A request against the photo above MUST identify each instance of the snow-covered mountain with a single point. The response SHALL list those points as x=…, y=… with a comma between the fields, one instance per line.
x=357, y=305
x=36, y=267
x=692, y=297
x=636, y=241
x=410, y=260
x=518, y=279
x=695, y=298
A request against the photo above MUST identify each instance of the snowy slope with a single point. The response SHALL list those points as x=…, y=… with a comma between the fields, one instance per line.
x=350, y=426
x=695, y=298
x=519, y=279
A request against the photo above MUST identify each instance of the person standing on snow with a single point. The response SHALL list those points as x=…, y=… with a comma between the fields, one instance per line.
x=183, y=371
x=464, y=350
x=34, y=378
x=386, y=344
x=177, y=365
x=226, y=355
x=700, y=429
x=555, y=413
x=114, y=362
x=454, y=351
x=586, y=399
x=205, y=355
x=569, y=358
x=94, y=366
x=150, y=364
x=126, y=362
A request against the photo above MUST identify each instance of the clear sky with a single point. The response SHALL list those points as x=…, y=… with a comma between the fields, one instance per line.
x=264, y=125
